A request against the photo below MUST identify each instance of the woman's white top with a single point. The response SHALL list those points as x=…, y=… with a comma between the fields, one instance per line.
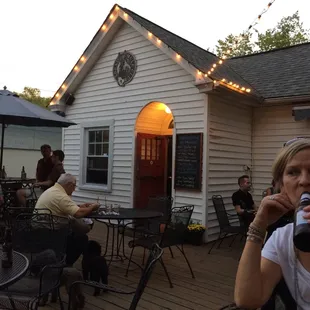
x=280, y=249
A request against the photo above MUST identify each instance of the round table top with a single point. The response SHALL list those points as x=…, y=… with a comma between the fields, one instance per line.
x=8, y=276
x=126, y=214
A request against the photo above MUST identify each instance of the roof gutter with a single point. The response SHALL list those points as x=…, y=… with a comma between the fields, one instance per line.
x=292, y=99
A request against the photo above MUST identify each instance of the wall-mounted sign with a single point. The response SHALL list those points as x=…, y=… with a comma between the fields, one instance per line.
x=188, y=161
x=124, y=68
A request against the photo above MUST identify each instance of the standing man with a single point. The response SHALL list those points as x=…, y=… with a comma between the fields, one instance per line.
x=44, y=169
x=243, y=201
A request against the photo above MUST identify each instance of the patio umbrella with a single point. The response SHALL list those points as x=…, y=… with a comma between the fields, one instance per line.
x=17, y=111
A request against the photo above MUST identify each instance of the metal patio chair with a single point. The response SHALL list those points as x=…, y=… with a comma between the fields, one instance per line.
x=155, y=254
x=173, y=235
x=225, y=226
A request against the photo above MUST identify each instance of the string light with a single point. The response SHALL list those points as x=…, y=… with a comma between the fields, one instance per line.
x=158, y=41
x=111, y=16
x=150, y=34
x=125, y=15
x=63, y=86
x=82, y=58
x=237, y=41
x=104, y=27
x=76, y=68
x=57, y=95
x=178, y=56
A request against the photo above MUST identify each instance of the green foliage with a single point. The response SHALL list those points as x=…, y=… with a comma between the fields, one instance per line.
x=33, y=95
x=236, y=46
x=289, y=31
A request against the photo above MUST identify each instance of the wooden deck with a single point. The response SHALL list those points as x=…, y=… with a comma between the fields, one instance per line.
x=211, y=289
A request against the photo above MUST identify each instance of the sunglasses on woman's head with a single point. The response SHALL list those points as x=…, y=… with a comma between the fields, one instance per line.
x=289, y=142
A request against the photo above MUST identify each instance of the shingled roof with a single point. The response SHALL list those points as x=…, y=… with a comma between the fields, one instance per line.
x=198, y=57
x=277, y=73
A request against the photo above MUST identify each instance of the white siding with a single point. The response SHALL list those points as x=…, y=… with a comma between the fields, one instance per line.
x=272, y=126
x=229, y=150
x=99, y=98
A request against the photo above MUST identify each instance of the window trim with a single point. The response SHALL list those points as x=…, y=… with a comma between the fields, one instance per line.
x=83, y=155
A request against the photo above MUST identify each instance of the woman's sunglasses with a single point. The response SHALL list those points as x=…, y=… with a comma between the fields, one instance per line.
x=289, y=142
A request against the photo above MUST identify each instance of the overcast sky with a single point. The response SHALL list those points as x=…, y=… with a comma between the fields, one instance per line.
x=41, y=40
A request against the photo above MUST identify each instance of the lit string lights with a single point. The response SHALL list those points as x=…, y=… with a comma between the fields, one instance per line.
x=227, y=53
x=116, y=12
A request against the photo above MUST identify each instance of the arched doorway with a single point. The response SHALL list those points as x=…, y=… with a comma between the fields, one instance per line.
x=153, y=162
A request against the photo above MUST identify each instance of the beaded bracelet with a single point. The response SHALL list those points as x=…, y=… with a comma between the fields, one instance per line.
x=256, y=231
x=254, y=238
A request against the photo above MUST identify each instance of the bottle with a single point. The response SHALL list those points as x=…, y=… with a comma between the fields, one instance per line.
x=23, y=174
x=301, y=235
x=3, y=173
x=7, y=249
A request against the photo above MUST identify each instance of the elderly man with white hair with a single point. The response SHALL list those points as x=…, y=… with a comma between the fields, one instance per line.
x=58, y=200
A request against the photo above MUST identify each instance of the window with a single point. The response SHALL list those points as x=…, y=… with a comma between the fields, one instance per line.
x=96, y=159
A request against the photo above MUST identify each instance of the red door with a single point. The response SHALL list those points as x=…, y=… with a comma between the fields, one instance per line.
x=150, y=168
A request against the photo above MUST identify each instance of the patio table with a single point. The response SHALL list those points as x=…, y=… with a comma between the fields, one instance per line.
x=9, y=276
x=119, y=218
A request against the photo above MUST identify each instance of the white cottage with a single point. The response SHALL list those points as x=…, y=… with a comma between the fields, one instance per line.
x=156, y=114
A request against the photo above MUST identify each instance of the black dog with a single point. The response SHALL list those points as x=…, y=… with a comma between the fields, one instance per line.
x=94, y=265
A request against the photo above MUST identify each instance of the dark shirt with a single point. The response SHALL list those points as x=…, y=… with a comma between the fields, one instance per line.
x=243, y=199
x=44, y=169
x=57, y=170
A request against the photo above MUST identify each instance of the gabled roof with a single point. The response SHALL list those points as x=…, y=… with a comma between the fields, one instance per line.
x=274, y=74
x=198, y=57
x=277, y=73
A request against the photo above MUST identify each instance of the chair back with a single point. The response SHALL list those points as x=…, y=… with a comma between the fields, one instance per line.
x=176, y=227
x=155, y=254
x=9, y=190
x=264, y=194
x=220, y=211
x=162, y=204
x=35, y=233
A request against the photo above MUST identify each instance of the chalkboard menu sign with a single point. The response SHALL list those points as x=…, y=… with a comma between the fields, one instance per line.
x=188, y=161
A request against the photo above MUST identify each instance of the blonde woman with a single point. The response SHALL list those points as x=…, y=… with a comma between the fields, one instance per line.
x=260, y=270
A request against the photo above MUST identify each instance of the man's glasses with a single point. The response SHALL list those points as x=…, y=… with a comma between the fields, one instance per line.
x=289, y=142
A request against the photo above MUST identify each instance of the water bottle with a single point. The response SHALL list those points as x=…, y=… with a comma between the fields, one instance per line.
x=301, y=237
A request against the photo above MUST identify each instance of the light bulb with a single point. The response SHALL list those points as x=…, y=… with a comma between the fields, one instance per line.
x=150, y=34
x=57, y=95
x=104, y=27
x=158, y=41
x=111, y=16
x=221, y=61
x=63, y=86
x=83, y=58
x=167, y=110
x=76, y=68
x=248, y=90
x=214, y=65
x=178, y=56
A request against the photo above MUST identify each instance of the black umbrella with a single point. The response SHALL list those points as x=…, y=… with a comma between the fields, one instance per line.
x=17, y=111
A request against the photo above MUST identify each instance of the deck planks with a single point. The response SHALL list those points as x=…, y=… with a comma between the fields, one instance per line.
x=212, y=287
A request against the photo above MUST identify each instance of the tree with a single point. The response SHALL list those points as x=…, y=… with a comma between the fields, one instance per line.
x=289, y=31
x=238, y=45
x=34, y=95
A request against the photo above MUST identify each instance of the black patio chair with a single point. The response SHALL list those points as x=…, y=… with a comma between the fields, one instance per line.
x=173, y=235
x=223, y=218
x=155, y=254
x=138, y=228
x=43, y=239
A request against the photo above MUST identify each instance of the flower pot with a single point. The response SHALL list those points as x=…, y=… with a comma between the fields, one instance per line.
x=194, y=237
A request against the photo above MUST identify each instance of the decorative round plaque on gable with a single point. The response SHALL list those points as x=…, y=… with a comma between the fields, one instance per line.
x=124, y=68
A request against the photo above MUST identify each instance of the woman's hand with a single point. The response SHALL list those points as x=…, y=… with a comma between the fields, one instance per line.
x=271, y=209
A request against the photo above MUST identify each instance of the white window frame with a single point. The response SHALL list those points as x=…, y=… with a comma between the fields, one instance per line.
x=85, y=127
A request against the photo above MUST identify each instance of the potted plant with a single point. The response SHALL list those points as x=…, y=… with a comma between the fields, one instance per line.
x=194, y=233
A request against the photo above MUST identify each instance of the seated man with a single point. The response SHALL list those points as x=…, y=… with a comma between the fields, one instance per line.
x=44, y=168
x=243, y=201
x=58, y=169
x=57, y=200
